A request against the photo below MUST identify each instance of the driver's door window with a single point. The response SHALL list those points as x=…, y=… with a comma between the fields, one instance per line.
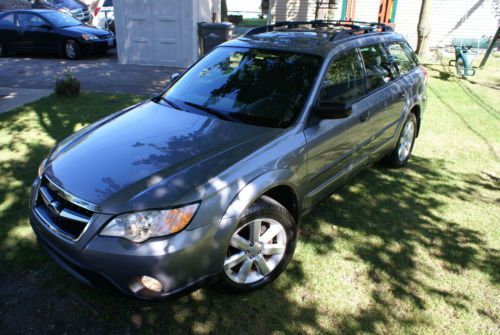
x=344, y=80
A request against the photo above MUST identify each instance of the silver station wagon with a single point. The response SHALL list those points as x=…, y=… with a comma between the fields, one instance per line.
x=209, y=180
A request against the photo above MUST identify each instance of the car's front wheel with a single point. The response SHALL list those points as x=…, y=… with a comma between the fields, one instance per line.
x=401, y=153
x=72, y=49
x=261, y=246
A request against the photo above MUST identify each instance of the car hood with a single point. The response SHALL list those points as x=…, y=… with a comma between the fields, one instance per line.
x=113, y=162
x=86, y=29
x=67, y=4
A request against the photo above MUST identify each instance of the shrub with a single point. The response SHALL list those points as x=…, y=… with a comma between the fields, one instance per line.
x=67, y=86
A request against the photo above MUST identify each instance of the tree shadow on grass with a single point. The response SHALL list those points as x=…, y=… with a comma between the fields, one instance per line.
x=392, y=218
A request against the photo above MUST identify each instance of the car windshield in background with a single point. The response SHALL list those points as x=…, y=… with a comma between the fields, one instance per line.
x=61, y=20
x=259, y=87
x=108, y=3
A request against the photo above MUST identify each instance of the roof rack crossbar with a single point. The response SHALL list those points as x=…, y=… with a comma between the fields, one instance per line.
x=355, y=26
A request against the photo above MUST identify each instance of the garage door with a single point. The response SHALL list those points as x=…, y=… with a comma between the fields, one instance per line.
x=154, y=31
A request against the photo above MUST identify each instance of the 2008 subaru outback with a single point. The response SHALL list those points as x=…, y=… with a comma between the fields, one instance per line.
x=211, y=178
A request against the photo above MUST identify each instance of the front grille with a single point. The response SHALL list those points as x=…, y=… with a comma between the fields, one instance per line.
x=81, y=14
x=62, y=215
x=105, y=37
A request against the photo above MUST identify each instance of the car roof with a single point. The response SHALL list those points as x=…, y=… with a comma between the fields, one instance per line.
x=40, y=11
x=316, y=41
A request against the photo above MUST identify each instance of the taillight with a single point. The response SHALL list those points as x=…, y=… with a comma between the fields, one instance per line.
x=426, y=74
x=97, y=10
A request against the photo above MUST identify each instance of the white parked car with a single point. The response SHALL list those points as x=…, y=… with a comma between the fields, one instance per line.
x=104, y=16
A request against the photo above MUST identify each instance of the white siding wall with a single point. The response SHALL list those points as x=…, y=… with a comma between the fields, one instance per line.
x=450, y=18
x=293, y=10
x=367, y=10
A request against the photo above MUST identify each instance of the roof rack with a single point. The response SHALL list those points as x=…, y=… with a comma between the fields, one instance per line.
x=349, y=28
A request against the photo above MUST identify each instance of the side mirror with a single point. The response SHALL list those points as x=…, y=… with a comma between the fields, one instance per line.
x=331, y=110
x=174, y=77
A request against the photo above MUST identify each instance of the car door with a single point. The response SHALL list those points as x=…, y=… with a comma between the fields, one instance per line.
x=336, y=146
x=387, y=94
x=8, y=31
x=36, y=32
x=23, y=38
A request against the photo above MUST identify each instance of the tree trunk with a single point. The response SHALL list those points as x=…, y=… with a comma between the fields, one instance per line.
x=424, y=28
x=223, y=11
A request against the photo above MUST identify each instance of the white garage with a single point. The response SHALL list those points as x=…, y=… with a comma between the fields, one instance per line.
x=161, y=32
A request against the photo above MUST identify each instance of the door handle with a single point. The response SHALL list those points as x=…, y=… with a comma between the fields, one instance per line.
x=402, y=96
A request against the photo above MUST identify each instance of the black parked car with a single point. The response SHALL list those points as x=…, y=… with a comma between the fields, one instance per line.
x=75, y=8
x=51, y=31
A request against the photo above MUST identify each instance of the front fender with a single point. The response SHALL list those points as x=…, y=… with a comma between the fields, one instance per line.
x=257, y=187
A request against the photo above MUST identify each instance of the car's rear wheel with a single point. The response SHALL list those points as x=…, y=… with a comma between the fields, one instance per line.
x=261, y=246
x=401, y=153
x=72, y=49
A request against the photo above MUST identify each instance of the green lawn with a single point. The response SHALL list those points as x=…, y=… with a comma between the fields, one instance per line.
x=410, y=251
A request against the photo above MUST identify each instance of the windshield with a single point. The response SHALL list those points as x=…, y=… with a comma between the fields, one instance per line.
x=260, y=87
x=60, y=19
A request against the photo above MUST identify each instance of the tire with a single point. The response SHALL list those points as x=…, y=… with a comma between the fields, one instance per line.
x=250, y=263
x=402, y=152
x=3, y=50
x=72, y=49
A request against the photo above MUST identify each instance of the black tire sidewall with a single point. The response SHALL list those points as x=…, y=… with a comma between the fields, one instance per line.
x=266, y=208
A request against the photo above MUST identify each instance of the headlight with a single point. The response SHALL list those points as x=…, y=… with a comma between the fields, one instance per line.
x=140, y=226
x=41, y=168
x=89, y=37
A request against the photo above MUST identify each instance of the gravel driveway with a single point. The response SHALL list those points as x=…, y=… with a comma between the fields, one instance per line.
x=101, y=74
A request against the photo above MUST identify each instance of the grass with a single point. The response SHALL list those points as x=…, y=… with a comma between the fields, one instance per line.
x=410, y=251
x=253, y=22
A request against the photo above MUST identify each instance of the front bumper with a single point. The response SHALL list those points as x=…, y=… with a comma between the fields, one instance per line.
x=180, y=262
x=97, y=46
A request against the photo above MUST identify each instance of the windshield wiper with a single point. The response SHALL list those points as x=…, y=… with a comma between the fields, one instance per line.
x=210, y=111
x=170, y=103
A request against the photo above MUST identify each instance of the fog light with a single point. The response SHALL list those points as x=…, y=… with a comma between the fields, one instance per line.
x=151, y=284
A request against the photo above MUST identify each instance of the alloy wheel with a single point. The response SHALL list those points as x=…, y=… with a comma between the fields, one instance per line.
x=406, y=141
x=70, y=49
x=255, y=250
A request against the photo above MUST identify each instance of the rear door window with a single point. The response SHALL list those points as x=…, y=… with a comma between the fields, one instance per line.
x=344, y=80
x=401, y=59
x=7, y=21
x=378, y=65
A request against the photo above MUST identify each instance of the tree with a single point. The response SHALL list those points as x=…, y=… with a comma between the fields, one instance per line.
x=424, y=28
x=223, y=11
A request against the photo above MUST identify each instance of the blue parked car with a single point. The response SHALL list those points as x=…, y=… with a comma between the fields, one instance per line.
x=210, y=179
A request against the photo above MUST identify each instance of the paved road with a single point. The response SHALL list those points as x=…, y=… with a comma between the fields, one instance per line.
x=101, y=74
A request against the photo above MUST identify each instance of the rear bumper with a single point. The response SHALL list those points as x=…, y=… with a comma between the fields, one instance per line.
x=180, y=262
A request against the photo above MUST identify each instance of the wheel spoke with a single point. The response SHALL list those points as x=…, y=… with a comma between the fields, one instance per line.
x=255, y=227
x=270, y=234
x=239, y=242
x=234, y=260
x=245, y=270
x=262, y=265
x=272, y=249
